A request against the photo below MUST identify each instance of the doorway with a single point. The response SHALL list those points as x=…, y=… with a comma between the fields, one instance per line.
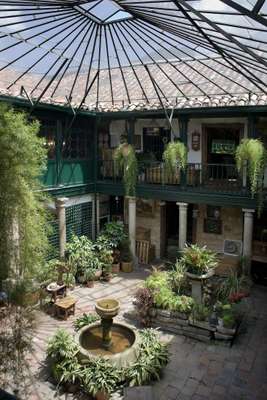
x=218, y=156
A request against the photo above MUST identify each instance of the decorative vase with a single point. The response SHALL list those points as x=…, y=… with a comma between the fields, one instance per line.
x=127, y=266
x=195, y=277
x=115, y=268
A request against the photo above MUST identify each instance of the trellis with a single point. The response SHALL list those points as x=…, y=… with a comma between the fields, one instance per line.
x=78, y=52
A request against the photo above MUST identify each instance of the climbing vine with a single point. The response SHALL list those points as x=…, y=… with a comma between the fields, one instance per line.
x=126, y=164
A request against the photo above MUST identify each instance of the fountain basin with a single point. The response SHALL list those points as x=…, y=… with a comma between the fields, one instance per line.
x=107, y=308
x=123, y=351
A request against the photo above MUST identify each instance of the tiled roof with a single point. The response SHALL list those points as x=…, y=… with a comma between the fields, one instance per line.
x=227, y=91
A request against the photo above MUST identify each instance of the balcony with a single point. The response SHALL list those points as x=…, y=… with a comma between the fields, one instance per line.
x=223, y=178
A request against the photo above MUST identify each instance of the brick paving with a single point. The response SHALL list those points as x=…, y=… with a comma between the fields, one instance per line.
x=196, y=370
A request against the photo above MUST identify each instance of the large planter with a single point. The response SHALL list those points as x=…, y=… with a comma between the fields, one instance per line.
x=195, y=277
x=127, y=266
x=196, y=282
x=116, y=268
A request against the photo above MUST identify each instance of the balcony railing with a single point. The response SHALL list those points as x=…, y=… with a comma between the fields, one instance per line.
x=219, y=177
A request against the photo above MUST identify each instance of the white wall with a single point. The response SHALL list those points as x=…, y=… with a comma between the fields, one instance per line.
x=117, y=128
x=196, y=125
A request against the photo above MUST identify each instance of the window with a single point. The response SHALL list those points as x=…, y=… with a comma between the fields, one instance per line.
x=48, y=130
x=76, y=145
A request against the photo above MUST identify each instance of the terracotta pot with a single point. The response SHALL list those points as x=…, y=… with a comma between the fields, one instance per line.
x=102, y=396
x=127, y=266
x=116, y=268
x=90, y=284
x=98, y=274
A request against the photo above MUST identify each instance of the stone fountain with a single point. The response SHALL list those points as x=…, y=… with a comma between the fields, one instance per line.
x=116, y=342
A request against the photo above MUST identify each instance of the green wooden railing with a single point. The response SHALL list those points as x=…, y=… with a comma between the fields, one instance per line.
x=215, y=177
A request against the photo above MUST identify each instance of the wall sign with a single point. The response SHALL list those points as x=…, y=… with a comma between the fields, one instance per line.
x=196, y=141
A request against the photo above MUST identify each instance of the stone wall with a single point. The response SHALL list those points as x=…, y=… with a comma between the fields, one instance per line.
x=232, y=228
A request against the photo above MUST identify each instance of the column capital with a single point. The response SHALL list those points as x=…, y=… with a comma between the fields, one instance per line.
x=61, y=201
x=248, y=211
x=162, y=203
x=131, y=199
x=182, y=205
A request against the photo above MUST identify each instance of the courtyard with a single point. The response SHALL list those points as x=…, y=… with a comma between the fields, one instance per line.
x=196, y=371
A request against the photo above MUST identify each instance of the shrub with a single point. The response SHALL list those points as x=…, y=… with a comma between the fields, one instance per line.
x=85, y=319
x=154, y=357
x=62, y=346
x=144, y=301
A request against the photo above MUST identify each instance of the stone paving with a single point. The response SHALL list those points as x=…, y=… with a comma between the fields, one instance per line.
x=196, y=371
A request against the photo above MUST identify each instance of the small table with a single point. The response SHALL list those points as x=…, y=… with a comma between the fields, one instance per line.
x=56, y=290
x=67, y=305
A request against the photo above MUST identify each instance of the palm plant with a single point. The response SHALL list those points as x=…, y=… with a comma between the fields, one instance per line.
x=198, y=260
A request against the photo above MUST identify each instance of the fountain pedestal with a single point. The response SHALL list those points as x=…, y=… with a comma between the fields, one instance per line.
x=107, y=309
x=106, y=332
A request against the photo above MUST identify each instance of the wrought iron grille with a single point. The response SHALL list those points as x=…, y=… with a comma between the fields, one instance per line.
x=79, y=220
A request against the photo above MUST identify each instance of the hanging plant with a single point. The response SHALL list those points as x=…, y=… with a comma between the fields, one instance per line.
x=175, y=155
x=251, y=153
x=126, y=164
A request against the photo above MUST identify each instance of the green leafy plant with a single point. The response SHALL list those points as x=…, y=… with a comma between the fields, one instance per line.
x=228, y=320
x=84, y=320
x=231, y=285
x=198, y=260
x=157, y=280
x=83, y=256
x=251, y=153
x=100, y=376
x=154, y=357
x=200, y=312
x=178, y=280
x=182, y=304
x=125, y=250
x=62, y=346
x=144, y=301
x=112, y=235
x=68, y=370
x=126, y=164
x=174, y=156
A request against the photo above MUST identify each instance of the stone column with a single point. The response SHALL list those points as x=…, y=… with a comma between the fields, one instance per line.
x=182, y=224
x=61, y=213
x=132, y=222
x=97, y=213
x=247, y=239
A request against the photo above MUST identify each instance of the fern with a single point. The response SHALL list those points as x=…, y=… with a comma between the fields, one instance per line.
x=175, y=155
x=126, y=164
x=252, y=153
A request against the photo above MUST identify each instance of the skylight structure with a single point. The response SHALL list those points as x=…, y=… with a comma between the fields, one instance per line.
x=125, y=51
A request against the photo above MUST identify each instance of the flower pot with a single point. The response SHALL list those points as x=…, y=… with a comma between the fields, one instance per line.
x=80, y=278
x=127, y=266
x=116, y=268
x=98, y=274
x=102, y=395
x=107, y=277
x=90, y=284
x=195, y=277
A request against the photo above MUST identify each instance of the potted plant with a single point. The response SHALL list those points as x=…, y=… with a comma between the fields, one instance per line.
x=174, y=157
x=106, y=260
x=126, y=166
x=226, y=320
x=89, y=275
x=251, y=155
x=126, y=256
x=199, y=262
